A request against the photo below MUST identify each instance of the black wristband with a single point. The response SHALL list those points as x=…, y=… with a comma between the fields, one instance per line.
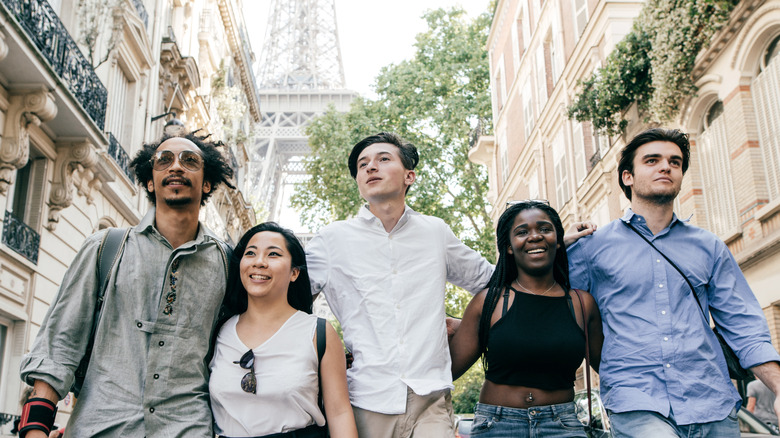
x=37, y=414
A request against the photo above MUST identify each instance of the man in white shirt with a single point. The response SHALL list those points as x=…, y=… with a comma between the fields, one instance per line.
x=384, y=274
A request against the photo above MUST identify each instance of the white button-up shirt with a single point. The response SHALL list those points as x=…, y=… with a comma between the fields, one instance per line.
x=387, y=290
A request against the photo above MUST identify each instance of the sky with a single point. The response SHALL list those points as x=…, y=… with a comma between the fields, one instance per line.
x=372, y=33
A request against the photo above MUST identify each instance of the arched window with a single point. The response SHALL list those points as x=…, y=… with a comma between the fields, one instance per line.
x=717, y=179
x=766, y=100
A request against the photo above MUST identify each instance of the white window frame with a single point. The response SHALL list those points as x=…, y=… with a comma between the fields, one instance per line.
x=528, y=110
x=561, y=170
x=580, y=10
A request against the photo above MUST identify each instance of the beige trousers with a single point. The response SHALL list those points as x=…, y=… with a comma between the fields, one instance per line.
x=426, y=416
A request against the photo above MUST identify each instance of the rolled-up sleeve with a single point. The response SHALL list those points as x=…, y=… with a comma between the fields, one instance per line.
x=466, y=268
x=579, y=272
x=317, y=263
x=63, y=337
x=737, y=312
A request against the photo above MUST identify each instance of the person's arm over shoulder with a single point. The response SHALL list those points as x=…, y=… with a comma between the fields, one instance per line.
x=579, y=263
x=466, y=267
x=737, y=312
x=318, y=261
x=63, y=337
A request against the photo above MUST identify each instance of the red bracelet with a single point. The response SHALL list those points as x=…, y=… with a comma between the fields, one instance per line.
x=37, y=414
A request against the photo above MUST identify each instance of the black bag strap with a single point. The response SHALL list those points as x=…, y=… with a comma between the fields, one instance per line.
x=674, y=265
x=109, y=251
x=321, y=345
x=587, y=355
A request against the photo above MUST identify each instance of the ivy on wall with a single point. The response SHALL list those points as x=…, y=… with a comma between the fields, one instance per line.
x=652, y=65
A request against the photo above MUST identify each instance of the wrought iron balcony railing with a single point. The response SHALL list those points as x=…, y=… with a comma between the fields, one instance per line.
x=120, y=156
x=20, y=238
x=7, y=418
x=49, y=35
x=142, y=14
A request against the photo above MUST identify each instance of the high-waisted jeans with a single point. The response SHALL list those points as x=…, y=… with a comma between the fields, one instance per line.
x=536, y=422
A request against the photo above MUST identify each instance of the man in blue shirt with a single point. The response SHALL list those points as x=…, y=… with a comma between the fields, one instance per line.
x=662, y=370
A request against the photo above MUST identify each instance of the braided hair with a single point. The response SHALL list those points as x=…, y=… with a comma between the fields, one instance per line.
x=506, y=270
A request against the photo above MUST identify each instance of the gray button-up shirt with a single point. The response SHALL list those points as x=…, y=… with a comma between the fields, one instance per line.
x=147, y=375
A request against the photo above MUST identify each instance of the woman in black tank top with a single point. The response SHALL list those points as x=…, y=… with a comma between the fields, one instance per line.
x=528, y=328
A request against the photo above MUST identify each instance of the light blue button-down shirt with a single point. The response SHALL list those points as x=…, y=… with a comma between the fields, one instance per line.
x=658, y=354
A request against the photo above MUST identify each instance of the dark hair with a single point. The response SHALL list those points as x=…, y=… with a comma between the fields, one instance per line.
x=655, y=134
x=298, y=292
x=406, y=150
x=216, y=168
x=506, y=270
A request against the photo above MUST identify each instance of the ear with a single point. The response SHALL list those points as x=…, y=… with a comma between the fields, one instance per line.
x=628, y=178
x=206, y=186
x=295, y=273
x=509, y=250
x=150, y=185
x=410, y=177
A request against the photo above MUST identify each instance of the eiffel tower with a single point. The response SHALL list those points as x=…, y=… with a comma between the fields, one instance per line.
x=300, y=74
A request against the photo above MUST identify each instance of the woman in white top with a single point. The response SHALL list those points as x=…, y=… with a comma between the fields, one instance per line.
x=264, y=372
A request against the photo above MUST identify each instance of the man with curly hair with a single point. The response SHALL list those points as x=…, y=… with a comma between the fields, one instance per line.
x=147, y=373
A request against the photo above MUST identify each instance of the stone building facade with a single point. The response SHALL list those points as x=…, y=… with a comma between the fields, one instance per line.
x=540, y=49
x=83, y=84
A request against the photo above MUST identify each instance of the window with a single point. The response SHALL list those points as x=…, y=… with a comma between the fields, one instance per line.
x=118, y=104
x=516, y=43
x=528, y=110
x=541, y=78
x=27, y=201
x=501, y=83
x=578, y=142
x=502, y=152
x=533, y=186
x=556, y=49
x=766, y=100
x=580, y=8
x=561, y=169
x=717, y=180
x=527, y=27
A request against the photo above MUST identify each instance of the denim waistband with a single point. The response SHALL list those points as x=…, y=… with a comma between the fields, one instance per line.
x=534, y=412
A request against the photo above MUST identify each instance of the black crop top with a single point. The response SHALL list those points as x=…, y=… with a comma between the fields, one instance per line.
x=537, y=344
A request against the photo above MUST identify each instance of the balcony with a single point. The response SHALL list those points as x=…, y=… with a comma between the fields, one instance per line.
x=21, y=238
x=120, y=157
x=44, y=29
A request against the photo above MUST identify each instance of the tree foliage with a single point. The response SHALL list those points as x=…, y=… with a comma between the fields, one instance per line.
x=434, y=100
x=652, y=65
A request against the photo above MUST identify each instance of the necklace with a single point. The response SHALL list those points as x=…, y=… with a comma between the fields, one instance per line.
x=535, y=293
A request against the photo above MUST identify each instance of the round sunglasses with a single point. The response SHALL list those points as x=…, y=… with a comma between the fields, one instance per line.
x=249, y=381
x=189, y=160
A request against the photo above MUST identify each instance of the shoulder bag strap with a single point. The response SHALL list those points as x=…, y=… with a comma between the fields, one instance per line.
x=587, y=356
x=321, y=345
x=685, y=277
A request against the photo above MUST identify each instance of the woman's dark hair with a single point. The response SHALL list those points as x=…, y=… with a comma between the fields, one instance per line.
x=298, y=292
x=216, y=168
x=506, y=270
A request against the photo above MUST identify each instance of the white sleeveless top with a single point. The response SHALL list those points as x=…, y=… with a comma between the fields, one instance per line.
x=287, y=381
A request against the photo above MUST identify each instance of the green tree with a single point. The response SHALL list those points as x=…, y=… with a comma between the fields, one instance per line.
x=436, y=100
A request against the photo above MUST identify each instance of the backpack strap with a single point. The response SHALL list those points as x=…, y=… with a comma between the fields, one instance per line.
x=321, y=344
x=109, y=252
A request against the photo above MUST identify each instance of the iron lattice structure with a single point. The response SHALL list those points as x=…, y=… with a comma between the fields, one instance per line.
x=300, y=74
